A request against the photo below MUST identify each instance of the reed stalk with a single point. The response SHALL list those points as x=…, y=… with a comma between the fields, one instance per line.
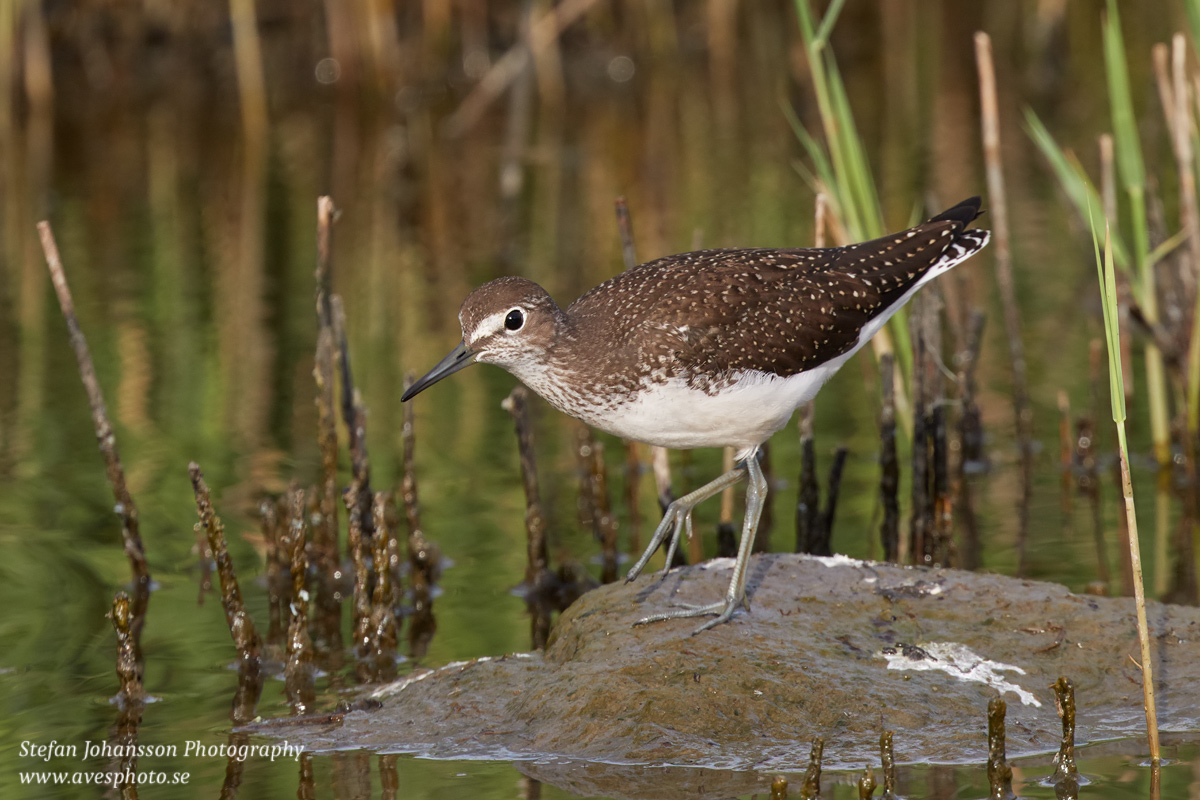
x=1108, y=287
x=243, y=18
x=1179, y=117
x=1132, y=172
x=998, y=208
x=843, y=174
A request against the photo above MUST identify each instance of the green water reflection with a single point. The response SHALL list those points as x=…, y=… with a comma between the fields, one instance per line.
x=189, y=243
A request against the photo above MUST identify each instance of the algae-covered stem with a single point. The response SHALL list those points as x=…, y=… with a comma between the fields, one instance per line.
x=298, y=676
x=585, y=447
x=811, y=788
x=535, y=521
x=361, y=619
x=537, y=565
x=1064, y=703
x=241, y=626
x=889, y=473
x=408, y=482
x=998, y=208
x=383, y=620
x=808, y=506
x=887, y=760
x=306, y=782
x=279, y=587
x=605, y=521
x=128, y=669
x=866, y=784
x=920, y=518
x=633, y=503
x=1066, y=449
x=970, y=437
x=354, y=415
x=130, y=700
x=833, y=486
x=105, y=437
x=423, y=555
x=999, y=773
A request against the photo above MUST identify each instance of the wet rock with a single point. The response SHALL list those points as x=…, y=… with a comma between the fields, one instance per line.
x=832, y=647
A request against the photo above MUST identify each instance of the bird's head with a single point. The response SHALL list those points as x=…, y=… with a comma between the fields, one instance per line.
x=510, y=322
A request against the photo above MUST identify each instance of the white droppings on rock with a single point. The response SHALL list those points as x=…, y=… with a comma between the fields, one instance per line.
x=958, y=661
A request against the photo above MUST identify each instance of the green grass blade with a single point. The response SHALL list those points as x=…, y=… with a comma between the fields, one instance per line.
x=831, y=16
x=1125, y=136
x=1192, y=9
x=820, y=159
x=859, y=178
x=1074, y=182
x=1107, y=275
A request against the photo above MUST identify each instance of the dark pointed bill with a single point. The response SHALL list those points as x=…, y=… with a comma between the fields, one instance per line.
x=458, y=358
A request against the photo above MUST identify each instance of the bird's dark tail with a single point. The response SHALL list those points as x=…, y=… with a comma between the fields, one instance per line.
x=963, y=213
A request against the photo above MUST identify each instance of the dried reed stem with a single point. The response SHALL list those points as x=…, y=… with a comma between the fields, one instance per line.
x=542, y=34
x=248, y=57
x=1139, y=595
x=105, y=437
x=998, y=208
x=1181, y=137
x=1107, y=275
x=1108, y=195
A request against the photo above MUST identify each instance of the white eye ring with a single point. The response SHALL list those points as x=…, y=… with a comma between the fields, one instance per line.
x=514, y=320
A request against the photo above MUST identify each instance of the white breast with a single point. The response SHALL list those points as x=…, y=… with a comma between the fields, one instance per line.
x=743, y=415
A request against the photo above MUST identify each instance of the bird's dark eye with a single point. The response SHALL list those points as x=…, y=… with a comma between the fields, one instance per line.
x=514, y=320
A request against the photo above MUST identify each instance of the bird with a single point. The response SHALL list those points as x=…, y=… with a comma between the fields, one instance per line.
x=714, y=348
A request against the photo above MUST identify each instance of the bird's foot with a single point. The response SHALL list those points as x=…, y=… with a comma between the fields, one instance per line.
x=723, y=612
x=677, y=519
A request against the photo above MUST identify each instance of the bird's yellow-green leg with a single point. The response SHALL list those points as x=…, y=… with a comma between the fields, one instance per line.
x=735, y=595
